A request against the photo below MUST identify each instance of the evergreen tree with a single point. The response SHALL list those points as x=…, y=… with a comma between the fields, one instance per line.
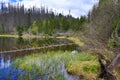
x=20, y=30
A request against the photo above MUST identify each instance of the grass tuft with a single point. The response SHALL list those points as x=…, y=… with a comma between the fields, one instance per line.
x=49, y=65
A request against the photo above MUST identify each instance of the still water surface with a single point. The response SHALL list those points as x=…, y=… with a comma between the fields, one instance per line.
x=8, y=44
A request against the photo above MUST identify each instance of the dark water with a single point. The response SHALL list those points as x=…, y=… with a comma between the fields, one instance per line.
x=7, y=44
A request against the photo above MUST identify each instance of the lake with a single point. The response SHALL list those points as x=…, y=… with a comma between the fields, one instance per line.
x=27, y=47
x=11, y=44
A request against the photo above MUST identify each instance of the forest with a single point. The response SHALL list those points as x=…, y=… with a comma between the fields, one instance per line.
x=16, y=18
x=40, y=44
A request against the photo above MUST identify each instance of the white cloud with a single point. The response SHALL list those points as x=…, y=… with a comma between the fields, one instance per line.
x=4, y=1
x=77, y=7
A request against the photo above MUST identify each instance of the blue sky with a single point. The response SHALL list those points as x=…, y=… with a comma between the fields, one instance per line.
x=77, y=7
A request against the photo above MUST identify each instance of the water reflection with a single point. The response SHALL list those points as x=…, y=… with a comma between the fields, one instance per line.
x=4, y=61
x=20, y=40
x=7, y=44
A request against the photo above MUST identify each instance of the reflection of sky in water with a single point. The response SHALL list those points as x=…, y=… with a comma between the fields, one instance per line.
x=8, y=44
x=4, y=63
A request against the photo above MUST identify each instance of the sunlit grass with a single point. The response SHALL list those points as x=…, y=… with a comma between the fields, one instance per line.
x=25, y=36
x=49, y=65
x=89, y=69
x=76, y=41
x=8, y=35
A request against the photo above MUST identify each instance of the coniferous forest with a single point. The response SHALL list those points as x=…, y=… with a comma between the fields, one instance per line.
x=14, y=18
x=41, y=44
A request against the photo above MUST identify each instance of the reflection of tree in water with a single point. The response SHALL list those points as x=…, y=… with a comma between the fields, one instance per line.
x=4, y=61
x=41, y=42
x=20, y=41
x=34, y=42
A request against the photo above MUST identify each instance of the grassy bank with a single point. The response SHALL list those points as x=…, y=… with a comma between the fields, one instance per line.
x=26, y=36
x=50, y=65
x=9, y=35
x=76, y=41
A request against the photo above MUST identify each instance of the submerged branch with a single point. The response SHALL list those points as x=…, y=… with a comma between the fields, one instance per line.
x=36, y=48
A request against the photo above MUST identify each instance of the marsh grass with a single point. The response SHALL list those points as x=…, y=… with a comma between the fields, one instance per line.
x=48, y=66
x=8, y=35
x=76, y=41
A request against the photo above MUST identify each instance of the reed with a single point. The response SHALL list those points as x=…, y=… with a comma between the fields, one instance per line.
x=49, y=66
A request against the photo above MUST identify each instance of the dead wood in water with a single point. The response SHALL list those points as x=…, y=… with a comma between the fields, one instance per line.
x=107, y=68
x=36, y=48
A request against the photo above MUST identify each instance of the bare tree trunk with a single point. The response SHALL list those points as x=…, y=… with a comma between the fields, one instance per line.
x=114, y=63
x=106, y=69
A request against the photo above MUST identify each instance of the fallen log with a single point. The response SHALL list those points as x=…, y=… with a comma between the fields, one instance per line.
x=105, y=72
x=35, y=48
x=107, y=68
x=114, y=63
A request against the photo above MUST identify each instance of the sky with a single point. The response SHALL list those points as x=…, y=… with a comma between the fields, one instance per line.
x=76, y=7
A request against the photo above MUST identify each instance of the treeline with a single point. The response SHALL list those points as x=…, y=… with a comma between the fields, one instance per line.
x=16, y=18
x=102, y=19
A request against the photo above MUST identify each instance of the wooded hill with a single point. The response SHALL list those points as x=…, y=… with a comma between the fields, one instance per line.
x=16, y=18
